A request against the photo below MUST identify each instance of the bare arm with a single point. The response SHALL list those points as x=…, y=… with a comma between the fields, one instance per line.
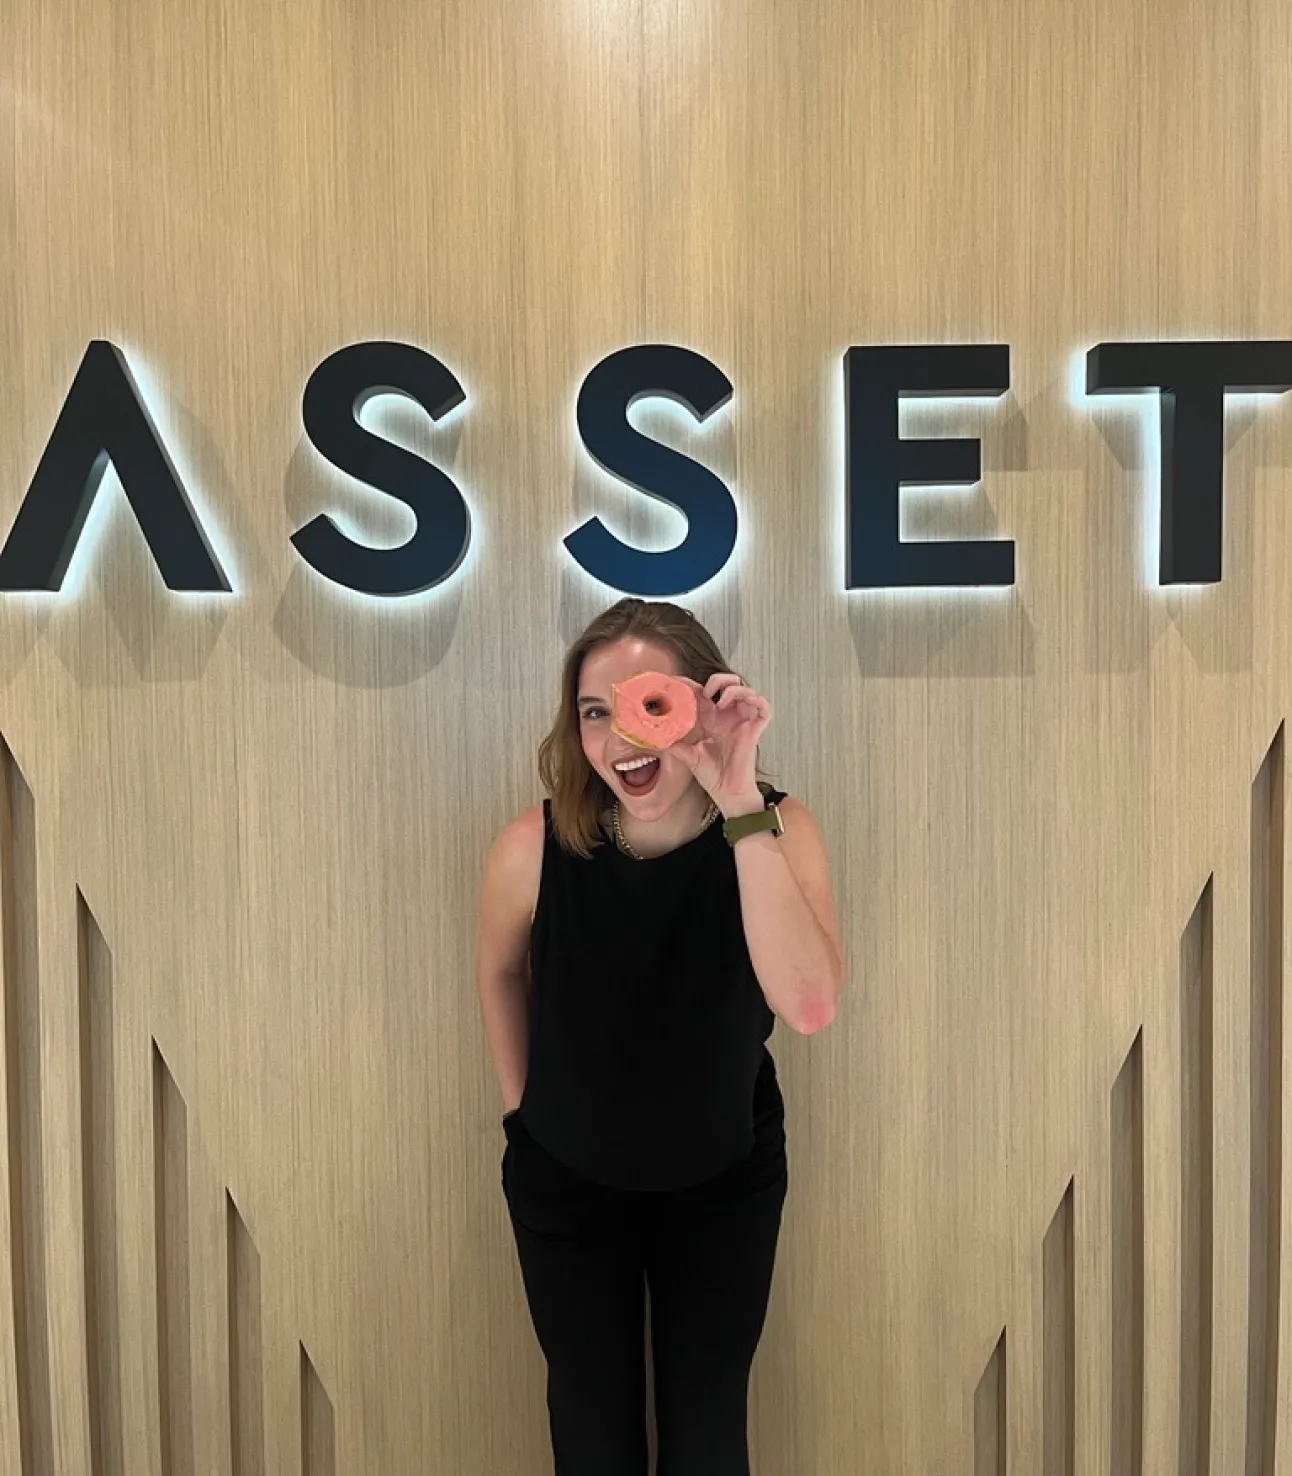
x=508, y=896
x=791, y=926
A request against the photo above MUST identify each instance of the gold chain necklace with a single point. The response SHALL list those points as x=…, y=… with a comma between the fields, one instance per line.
x=710, y=815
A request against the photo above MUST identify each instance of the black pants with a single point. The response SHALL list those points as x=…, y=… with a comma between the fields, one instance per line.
x=587, y=1253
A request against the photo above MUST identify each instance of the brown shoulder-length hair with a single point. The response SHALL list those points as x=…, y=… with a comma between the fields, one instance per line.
x=579, y=794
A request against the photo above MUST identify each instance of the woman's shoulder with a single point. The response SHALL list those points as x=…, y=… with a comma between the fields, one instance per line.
x=525, y=831
x=516, y=852
x=513, y=871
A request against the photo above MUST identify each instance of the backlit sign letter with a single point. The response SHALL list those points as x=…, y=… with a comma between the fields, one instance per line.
x=104, y=421
x=335, y=394
x=1191, y=380
x=610, y=389
x=879, y=463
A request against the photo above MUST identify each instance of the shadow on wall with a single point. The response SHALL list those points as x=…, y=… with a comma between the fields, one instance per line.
x=168, y=636
x=972, y=632
x=1122, y=520
x=358, y=640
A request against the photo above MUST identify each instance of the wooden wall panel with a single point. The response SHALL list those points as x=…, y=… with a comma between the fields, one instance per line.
x=250, y=1217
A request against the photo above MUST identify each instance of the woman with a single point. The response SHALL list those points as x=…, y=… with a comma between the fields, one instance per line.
x=639, y=933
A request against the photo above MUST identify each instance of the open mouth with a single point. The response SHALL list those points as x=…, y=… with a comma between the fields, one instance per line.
x=638, y=776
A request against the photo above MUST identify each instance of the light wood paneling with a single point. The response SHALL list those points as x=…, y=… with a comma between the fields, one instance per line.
x=1059, y=1348
x=275, y=804
x=1197, y=1182
x=1267, y=1090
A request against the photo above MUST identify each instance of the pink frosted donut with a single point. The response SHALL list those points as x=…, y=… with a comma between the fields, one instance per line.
x=652, y=710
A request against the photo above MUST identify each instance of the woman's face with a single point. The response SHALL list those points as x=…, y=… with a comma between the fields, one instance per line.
x=648, y=791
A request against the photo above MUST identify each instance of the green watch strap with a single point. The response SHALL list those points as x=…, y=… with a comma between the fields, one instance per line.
x=740, y=826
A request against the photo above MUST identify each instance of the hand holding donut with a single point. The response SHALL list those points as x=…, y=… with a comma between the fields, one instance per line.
x=713, y=729
x=722, y=751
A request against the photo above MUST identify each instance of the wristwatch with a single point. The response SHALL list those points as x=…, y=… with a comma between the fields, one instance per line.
x=740, y=826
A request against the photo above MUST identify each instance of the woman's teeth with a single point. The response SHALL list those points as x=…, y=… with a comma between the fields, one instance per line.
x=638, y=773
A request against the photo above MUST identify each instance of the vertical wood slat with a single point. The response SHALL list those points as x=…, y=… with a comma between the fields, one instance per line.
x=10, y=1407
x=24, y=1196
x=990, y=1435
x=1197, y=1229
x=135, y=1071
x=246, y=1373
x=208, y=1259
x=1267, y=1087
x=1230, y=1042
x=1092, y=1294
x=174, y=1342
x=318, y=1423
x=1059, y=1330
x=99, y=1190
x=1126, y=1251
x=10, y=1456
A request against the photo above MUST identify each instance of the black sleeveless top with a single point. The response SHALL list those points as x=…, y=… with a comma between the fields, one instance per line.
x=648, y=1067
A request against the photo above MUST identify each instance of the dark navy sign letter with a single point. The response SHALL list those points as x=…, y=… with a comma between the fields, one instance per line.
x=616, y=383
x=1191, y=380
x=104, y=421
x=336, y=393
x=879, y=463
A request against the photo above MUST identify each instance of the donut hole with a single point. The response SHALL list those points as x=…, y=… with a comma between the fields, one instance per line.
x=651, y=710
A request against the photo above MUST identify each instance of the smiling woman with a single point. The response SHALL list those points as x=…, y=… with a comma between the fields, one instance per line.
x=634, y=955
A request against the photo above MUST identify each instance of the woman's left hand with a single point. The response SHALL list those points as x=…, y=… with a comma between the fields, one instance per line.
x=721, y=750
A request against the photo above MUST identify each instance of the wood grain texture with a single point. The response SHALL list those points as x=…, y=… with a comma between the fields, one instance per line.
x=1060, y=1342
x=1127, y=1256
x=25, y=1189
x=991, y=1411
x=1197, y=1181
x=276, y=804
x=173, y=1274
x=1267, y=1091
x=246, y=1356
x=100, y=1231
